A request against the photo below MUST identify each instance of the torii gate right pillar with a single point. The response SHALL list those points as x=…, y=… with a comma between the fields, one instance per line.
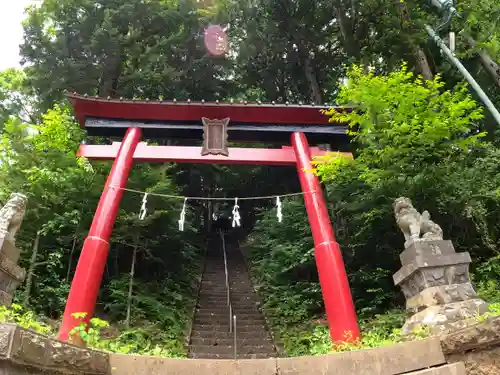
x=339, y=305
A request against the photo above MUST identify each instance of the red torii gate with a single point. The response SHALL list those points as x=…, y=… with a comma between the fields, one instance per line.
x=134, y=119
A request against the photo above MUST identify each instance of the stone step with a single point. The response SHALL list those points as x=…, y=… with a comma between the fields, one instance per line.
x=215, y=269
x=249, y=316
x=232, y=269
x=221, y=285
x=222, y=307
x=223, y=296
x=244, y=307
x=220, y=281
x=209, y=294
x=210, y=299
x=221, y=302
x=231, y=356
x=221, y=289
x=217, y=298
x=224, y=319
x=223, y=292
x=215, y=262
x=225, y=334
x=228, y=341
x=221, y=310
x=224, y=327
x=234, y=296
x=233, y=276
x=229, y=349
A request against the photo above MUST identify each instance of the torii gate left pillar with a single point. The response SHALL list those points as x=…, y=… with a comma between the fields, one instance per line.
x=92, y=262
x=85, y=286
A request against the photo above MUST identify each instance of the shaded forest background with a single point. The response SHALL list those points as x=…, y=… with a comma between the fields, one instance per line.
x=429, y=141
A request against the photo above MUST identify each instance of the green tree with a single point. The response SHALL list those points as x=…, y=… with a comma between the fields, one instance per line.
x=119, y=48
x=16, y=99
x=415, y=140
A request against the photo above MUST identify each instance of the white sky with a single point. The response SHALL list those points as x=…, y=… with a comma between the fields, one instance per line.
x=11, y=31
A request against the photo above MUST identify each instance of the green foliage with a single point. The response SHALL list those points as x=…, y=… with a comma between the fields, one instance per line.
x=313, y=338
x=50, y=291
x=160, y=309
x=493, y=312
x=119, y=48
x=401, y=124
x=483, y=19
x=139, y=341
x=283, y=262
x=419, y=141
x=15, y=97
x=39, y=160
x=16, y=314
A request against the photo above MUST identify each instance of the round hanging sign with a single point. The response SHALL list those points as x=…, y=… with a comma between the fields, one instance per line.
x=216, y=40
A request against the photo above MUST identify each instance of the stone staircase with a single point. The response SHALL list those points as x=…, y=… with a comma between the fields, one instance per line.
x=210, y=336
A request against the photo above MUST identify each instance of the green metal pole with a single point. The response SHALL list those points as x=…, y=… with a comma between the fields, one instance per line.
x=451, y=57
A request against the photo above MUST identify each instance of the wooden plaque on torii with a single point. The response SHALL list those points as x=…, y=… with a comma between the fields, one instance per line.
x=215, y=137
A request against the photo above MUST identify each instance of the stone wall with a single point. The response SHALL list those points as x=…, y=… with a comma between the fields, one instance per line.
x=24, y=352
x=473, y=351
x=478, y=346
x=418, y=357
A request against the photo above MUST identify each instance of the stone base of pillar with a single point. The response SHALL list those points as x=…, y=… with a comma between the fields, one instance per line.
x=446, y=318
x=435, y=281
x=11, y=275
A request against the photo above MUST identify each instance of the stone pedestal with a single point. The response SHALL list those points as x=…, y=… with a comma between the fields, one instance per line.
x=11, y=275
x=435, y=281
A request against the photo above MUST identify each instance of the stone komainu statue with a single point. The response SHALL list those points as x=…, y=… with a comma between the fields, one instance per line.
x=413, y=224
x=11, y=216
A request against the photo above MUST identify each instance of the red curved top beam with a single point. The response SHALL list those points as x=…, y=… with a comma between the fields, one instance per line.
x=144, y=110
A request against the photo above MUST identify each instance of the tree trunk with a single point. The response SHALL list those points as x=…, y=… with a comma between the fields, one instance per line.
x=487, y=62
x=316, y=95
x=73, y=247
x=111, y=74
x=113, y=63
x=31, y=270
x=131, y=283
x=351, y=45
x=117, y=264
x=421, y=62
